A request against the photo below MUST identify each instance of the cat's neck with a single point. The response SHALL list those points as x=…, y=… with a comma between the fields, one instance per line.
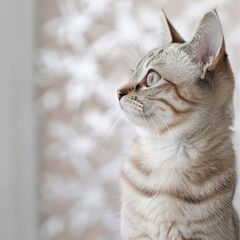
x=176, y=145
x=160, y=148
x=170, y=141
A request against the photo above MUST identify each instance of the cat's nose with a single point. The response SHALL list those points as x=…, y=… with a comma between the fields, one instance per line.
x=120, y=94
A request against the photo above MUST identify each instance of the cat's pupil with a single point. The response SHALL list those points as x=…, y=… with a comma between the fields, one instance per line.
x=152, y=78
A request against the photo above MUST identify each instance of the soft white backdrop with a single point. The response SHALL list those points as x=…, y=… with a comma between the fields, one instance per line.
x=88, y=49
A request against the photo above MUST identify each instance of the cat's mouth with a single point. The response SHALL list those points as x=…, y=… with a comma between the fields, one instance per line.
x=133, y=109
x=131, y=105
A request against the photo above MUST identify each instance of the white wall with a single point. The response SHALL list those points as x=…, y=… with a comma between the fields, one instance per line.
x=17, y=141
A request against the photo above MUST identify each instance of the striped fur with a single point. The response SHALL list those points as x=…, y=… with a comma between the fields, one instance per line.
x=179, y=178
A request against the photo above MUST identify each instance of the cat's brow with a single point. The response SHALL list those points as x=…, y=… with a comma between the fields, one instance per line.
x=158, y=62
x=139, y=63
x=154, y=57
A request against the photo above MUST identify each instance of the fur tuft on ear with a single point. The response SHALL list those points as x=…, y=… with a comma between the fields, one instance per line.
x=169, y=32
x=207, y=45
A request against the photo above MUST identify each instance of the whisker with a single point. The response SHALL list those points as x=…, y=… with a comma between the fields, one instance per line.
x=95, y=136
x=174, y=145
x=131, y=53
x=102, y=106
x=156, y=131
x=148, y=128
x=108, y=137
x=148, y=139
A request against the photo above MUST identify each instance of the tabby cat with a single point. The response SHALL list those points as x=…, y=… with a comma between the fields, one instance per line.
x=179, y=178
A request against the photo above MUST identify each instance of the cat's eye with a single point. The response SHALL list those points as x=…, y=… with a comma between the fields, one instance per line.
x=152, y=78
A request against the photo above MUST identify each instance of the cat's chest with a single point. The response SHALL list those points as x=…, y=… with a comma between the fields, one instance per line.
x=155, y=174
x=151, y=176
x=153, y=183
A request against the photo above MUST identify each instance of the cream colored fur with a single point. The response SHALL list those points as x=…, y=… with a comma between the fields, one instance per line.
x=179, y=178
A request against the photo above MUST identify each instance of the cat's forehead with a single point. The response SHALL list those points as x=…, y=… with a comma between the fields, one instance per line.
x=147, y=60
x=172, y=60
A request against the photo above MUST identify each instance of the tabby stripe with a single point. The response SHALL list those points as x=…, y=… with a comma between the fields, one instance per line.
x=218, y=144
x=178, y=93
x=171, y=226
x=199, y=234
x=147, y=64
x=153, y=58
x=137, y=214
x=226, y=187
x=202, y=176
x=217, y=192
x=177, y=111
x=141, y=237
x=140, y=167
x=171, y=125
x=139, y=63
x=212, y=218
x=143, y=191
x=202, y=173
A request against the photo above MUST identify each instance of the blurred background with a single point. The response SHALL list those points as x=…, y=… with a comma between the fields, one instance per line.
x=62, y=137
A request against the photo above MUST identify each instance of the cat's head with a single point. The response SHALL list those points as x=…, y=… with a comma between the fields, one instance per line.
x=180, y=83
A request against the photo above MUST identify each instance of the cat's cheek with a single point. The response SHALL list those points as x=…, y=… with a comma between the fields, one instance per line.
x=125, y=105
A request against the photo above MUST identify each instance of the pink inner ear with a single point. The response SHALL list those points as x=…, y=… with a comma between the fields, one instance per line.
x=207, y=44
x=202, y=55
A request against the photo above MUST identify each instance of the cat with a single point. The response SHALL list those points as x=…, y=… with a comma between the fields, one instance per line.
x=179, y=178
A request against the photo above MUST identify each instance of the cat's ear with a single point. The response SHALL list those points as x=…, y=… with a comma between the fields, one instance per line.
x=207, y=46
x=169, y=32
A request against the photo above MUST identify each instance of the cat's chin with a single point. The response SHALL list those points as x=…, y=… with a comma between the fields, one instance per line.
x=136, y=119
x=141, y=120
